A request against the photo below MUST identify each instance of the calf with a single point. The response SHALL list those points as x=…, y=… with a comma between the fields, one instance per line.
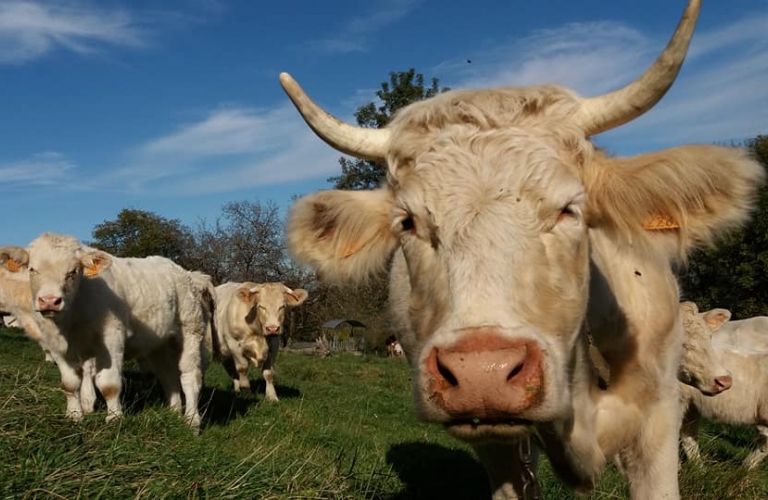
x=249, y=319
x=746, y=403
x=16, y=299
x=102, y=309
x=750, y=334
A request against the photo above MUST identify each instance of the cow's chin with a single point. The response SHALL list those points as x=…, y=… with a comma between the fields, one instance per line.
x=490, y=431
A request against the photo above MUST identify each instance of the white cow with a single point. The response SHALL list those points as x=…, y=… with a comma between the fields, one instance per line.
x=510, y=237
x=750, y=334
x=16, y=299
x=249, y=321
x=746, y=403
x=102, y=309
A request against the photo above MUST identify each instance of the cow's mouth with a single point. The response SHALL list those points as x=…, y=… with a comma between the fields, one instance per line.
x=49, y=313
x=485, y=430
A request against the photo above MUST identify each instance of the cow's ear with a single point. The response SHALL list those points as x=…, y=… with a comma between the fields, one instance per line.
x=716, y=317
x=94, y=262
x=249, y=293
x=690, y=194
x=344, y=235
x=14, y=258
x=296, y=296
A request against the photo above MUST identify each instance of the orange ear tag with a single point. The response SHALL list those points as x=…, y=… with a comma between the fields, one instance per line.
x=659, y=222
x=91, y=271
x=12, y=265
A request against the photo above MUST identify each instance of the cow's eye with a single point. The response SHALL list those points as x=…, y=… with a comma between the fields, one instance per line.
x=407, y=224
x=568, y=212
x=32, y=270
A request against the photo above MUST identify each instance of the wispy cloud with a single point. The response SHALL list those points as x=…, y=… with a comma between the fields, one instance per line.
x=355, y=34
x=43, y=169
x=231, y=148
x=30, y=29
x=719, y=95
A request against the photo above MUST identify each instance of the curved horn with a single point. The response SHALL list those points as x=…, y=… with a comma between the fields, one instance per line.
x=601, y=113
x=356, y=141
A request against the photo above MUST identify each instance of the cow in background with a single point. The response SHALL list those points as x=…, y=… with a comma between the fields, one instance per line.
x=746, y=403
x=249, y=321
x=102, y=309
x=750, y=334
x=511, y=237
x=16, y=299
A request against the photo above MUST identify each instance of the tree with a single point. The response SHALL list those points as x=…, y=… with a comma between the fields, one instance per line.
x=245, y=244
x=138, y=233
x=733, y=274
x=403, y=88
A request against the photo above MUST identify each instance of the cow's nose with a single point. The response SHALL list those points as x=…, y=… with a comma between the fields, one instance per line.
x=272, y=329
x=485, y=376
x=49, y=303
x=723, y=383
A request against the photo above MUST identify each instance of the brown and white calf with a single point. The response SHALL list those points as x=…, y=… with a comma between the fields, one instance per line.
x=99, y=310
x=509, y=236
x=746, y=403
x=249, y=321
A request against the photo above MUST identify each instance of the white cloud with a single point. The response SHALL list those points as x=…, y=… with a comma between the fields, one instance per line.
x=30, y=29
x=41, y=170
x=354, y=35
x=719, y=95
x=230, y=149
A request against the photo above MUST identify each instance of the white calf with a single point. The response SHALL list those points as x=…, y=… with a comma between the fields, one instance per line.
x=746, y=403
x=249, y=319
x=103, y=309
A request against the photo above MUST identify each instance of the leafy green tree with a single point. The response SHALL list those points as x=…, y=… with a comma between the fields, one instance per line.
x=403, y=88
x=138, y=233
x=734, y=274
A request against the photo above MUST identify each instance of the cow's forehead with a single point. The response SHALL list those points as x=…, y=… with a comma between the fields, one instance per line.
x=463, y=169
x=272, y=295
x=53, y=249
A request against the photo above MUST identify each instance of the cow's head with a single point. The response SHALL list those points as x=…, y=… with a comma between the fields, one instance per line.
x=56, y=264
x=267, y=302
x=699, y=364
x=492, y=201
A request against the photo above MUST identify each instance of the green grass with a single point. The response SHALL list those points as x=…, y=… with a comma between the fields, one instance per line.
x=343, y=429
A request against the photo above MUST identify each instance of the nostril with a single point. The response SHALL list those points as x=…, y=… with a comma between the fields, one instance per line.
x=517, y=369
x=445, y=372
x=57, y=302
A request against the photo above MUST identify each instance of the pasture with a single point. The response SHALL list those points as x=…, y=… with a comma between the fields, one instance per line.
x=342, y=430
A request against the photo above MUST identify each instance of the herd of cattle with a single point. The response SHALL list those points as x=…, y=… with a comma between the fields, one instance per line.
x=90, y=311
x=522, y=259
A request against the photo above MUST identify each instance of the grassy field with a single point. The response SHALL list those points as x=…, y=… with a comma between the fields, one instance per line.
x=342, y=430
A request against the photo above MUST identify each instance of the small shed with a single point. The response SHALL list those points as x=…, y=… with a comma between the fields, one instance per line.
x=354, y=343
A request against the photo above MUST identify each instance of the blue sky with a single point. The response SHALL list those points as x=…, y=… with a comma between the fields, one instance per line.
x=175, y=106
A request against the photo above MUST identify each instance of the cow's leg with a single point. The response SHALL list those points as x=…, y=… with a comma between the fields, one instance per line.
x=651, y=458
x=71, y=381
x=242, y=384
x=689, y=431
x=505, y=470
x=109, y=374
x=163, y=363
x=190, y=366
x=757, y=456
x=273, y=341
x=87, y=388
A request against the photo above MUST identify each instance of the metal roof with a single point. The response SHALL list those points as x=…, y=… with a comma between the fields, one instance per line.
x=333, y=323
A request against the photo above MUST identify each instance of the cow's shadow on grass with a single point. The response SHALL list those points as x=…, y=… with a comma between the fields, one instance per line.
x=220, y=406
x=434, y=471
